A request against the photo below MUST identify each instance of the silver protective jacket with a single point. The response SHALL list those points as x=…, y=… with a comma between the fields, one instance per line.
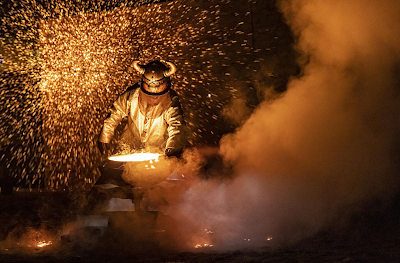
x=154, y=123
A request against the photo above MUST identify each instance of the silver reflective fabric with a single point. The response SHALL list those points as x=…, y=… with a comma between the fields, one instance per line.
x=154, y=123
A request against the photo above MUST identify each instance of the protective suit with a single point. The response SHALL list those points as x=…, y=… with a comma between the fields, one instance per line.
x=155, y=117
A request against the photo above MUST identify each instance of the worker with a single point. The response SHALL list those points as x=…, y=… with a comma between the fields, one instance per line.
x=155, y=118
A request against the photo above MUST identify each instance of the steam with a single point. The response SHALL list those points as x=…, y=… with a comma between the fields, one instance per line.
x=327, y=144
x=236, y=111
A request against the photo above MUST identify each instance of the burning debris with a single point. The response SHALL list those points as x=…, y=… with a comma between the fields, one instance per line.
x=33, y=241
x=42, y=244
x=205, y=245
x=205, y=239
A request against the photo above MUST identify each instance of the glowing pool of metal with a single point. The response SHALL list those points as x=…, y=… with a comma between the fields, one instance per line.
x=44, y=244
x=135, y=157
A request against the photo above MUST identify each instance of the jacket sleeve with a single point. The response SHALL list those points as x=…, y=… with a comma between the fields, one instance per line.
x=118, y=111
x=176, y=125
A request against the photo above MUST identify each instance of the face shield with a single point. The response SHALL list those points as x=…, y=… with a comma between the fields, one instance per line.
x=155, y=86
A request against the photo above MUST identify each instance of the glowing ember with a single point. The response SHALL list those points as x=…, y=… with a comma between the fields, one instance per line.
x=203, y=245
x=42, y=244
x=135, y=157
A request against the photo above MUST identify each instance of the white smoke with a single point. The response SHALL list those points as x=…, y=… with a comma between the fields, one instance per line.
x=327, y=144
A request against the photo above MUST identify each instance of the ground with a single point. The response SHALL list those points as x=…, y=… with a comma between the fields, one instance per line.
x=372, y=235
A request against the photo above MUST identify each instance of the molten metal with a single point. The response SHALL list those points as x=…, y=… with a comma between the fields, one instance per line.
x=44, y=244
x=203, y=245
x=135, y=157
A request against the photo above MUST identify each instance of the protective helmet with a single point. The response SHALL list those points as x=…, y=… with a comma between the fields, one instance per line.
x=154, y=75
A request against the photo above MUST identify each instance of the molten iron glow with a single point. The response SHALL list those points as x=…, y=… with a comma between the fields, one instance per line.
x=203, y=245
x=44, y=244
x=135, y=157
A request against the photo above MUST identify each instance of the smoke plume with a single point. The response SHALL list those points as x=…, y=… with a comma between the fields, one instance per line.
x=327, y=144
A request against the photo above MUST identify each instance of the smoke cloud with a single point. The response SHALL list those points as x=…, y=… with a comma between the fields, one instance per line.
x=325, y=145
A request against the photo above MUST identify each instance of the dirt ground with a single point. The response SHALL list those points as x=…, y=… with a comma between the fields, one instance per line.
x=26, y=218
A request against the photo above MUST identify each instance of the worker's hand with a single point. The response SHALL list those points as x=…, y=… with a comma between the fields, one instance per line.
x=170, y=152
x=103, y=147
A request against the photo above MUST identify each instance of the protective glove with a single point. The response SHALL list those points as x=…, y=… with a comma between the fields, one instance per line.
x=103, y=147
x=170, y=152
